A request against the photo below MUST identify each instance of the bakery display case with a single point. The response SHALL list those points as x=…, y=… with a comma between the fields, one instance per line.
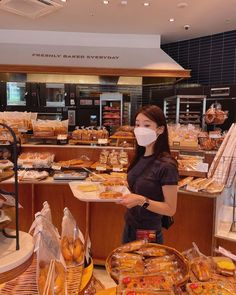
x=111, y=110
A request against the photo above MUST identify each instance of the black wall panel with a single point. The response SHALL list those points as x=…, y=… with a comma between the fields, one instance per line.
x=212, y=59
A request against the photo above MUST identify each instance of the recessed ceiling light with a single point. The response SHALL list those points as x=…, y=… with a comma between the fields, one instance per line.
x=182, y=5
x=146, y=3
x=63, y=0
x=105, y=2
x=171, y=20
x=123, y=2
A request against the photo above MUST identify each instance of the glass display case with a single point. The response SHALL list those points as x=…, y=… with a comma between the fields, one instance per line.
x=55, y=95
x=111, y=110
x=16, y=93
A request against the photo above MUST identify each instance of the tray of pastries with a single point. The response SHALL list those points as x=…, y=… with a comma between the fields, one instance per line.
x=98, y=192
x=140, y=258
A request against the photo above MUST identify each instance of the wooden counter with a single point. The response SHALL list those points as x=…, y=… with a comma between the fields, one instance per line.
x=194, y=219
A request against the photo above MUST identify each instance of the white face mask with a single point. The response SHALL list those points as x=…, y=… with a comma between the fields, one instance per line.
x=145, y=136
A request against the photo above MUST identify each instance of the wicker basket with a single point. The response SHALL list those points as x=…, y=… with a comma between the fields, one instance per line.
x=182, y=262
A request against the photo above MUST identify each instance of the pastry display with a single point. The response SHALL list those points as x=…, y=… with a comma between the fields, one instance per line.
x=208, y=288
x=145, y=259
x=150, y=282
x=215, y=115
x=87, y=134
x=32, y=175
x=188, y=162
x=36, y=160
x=49, y=128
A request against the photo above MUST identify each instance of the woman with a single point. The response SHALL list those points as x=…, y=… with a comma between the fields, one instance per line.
x=152, y=178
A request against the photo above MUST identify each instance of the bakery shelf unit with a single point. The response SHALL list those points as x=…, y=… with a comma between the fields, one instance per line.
x=14, y=145
x=185, y=109
x=225, y=227
x=111, y=110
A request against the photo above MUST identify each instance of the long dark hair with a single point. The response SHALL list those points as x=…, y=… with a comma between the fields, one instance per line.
x=161, y=146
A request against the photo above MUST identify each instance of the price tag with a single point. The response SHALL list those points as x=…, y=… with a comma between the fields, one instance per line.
x=202, y=167
x=27, y=166
x=117, y=169
x=102, y=141
x=56, y=167
x=101, y=168
x=214, y=135
x=61, y=137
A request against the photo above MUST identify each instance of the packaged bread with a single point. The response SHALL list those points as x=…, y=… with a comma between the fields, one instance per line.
x=77, y=134
x=184, y=181
x=132, y=246
x=207, y=288
x=50, y=270
x=200, y=268
x=224, y=266
x=149, y=282
x=215, y=188
x=72, y=240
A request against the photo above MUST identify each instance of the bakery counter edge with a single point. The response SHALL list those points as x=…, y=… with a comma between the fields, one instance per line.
x=68, y=152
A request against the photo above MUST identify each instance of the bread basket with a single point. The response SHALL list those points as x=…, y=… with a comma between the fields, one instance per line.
x=182, y=262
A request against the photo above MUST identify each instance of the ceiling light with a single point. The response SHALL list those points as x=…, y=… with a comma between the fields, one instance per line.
x=146, y=3
x=171, y=20
x=105, y=2
x=63, y=0
x=182, y=5
x=124, y=2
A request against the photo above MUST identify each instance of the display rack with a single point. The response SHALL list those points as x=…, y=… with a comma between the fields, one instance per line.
x=15, y=145
x=111, y=110
x=185, y=109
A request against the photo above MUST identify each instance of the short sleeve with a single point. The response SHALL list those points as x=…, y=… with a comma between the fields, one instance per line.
x=168, y=174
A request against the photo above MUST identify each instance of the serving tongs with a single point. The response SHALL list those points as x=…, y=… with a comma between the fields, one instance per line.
x=93, y=173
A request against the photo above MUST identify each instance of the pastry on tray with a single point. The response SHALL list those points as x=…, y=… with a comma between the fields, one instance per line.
x=110, y=195
x=87, y=187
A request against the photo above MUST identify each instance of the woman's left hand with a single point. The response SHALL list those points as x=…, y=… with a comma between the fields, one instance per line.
x=131, y=200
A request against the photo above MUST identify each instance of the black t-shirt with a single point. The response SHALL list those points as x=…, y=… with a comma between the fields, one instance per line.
x=146, y=178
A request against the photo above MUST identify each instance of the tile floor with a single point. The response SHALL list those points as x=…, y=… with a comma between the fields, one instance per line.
x=101, y=274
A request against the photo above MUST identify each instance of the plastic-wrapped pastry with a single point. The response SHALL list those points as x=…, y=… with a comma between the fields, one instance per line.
x=152, y=251
x=225, y=266
x=208, y=288
x=132, y=246
x=201, y=270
